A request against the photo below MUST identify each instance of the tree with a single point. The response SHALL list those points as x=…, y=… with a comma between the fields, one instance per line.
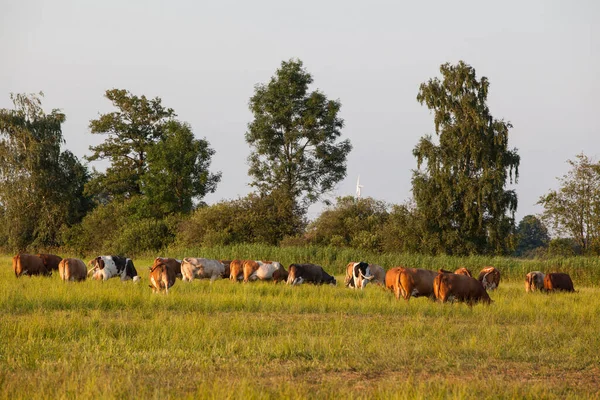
x=178, y=170
x=294, y=136
x=531, y=234
x=460, y=190
x=41, y=187
x=132, y=130
x=574, y=209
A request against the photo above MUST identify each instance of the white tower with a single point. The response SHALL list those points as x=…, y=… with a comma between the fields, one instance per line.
x=358, y=187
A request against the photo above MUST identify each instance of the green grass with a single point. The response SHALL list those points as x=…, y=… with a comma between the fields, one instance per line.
x=259, y=340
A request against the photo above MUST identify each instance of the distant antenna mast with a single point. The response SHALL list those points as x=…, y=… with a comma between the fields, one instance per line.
x=358, y=187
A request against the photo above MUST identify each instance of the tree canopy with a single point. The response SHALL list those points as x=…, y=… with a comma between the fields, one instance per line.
x=531, y=235
x=294, y=137
x=459, y=186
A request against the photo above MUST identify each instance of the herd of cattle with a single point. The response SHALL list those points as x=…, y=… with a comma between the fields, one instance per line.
x=441, y=285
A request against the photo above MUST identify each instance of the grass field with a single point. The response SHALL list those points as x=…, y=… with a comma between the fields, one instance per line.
x=259, y=340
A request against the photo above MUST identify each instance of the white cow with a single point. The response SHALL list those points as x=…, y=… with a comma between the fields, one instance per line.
x=265, y=270
x=201, y=268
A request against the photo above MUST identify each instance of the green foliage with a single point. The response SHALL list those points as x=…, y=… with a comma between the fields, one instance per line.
x=460, y=192
x=294, y=137
x=178, y=170
x=131, y=131
x=574, y=209
x=564, y=247
x=253, y=219
x=41, y=187
x=531, y=234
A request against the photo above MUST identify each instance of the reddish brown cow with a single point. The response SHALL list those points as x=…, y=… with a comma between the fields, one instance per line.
x=300, y=273
x=489, y=278
x=27, y=264
x=235, y=270
x=173, y=263
x=463, y=271
x=50, y=261
x=460, y=288
x=162, y=276
x=249, y=267
x=280, y=275
x=391, y=279
x=227, y=270
x=558, y=281
x=72, y=269
x=416, y=282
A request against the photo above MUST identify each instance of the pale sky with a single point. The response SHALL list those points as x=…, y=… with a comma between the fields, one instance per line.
x=203, y=58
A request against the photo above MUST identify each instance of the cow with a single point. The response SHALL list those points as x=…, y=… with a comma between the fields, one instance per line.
x=415, y=282
x=358, y=275
x=201, y=268
x=27, y=264
x=72, y=269
x=248, y=268
x=463, y=271
x=173, y=263
x=235, y=270
x=300, y=273
x=162, y=276
x=106, y=267
x=264, y=272
x=558, y=281
x=460, y=288
x=378, y=274
x=227, y=270
x=489, y=278
x=534, y=281
x=391, y=279
x=50, y=261
x=280, y=275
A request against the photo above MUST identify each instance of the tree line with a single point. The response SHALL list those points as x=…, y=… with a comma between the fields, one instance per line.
x=151, y=194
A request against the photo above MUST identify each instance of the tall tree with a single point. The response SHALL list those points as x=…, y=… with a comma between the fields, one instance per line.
x=41, y=187
x=294, y=136
x=574, y=209
x=131, y=130
x=531, y=234
x=459, y=186
x=178, y=170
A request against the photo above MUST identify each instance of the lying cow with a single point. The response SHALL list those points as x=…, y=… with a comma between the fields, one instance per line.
x=460, y=288
x=27, y=264
x=358, y=275
x=236, y=270
x=489, y=278
x=534, y=281
x=263, y=272
x=558, y=281
x=106, y=267
x=50, y=261
x=173, y=263
x=416, y=282
x=201, y=268
x=300, y=273
x=72, y=269
x=162, y=276
x=463, y=271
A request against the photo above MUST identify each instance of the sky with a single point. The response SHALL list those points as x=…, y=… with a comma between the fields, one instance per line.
x=203, y=59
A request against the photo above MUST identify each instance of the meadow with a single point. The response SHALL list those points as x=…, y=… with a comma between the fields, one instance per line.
x=228, y=340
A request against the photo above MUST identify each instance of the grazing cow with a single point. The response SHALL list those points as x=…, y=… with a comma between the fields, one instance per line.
x=415, y=282
x=300, y=273
x=227, y=270
x=378, y=274
x=534, y=281
x=248, y=268
x=489, y=278
x=50, y=261
x=201, y=268
x=358, y=275
x=72, y=269
x=460, y=288
x=280, y=275
x=558, y=281
x=265, y=270
x=106, y=267
x=27, y=264
x=162, y=276
x=463, y=271
x=173, y=263
x=235, y=270
x=391, y=279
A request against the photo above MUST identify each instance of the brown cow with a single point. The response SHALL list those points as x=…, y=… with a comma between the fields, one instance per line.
x=27, y=264
x=72, y=269
x=280, y=275
x=459, y=287
x=50, y=261
x=235, y=270
x=227, y=271
x=416, y=282
x=489, y=278
x=300, y=273
x=162, y=276
x=534, y=281
x=248, y=268
x=173, y=263
x=463, y=271
x=391, y=279
x=558, y=281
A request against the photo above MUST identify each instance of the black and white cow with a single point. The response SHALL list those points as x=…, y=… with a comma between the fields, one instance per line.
x=358, y=274
x=106, y=267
